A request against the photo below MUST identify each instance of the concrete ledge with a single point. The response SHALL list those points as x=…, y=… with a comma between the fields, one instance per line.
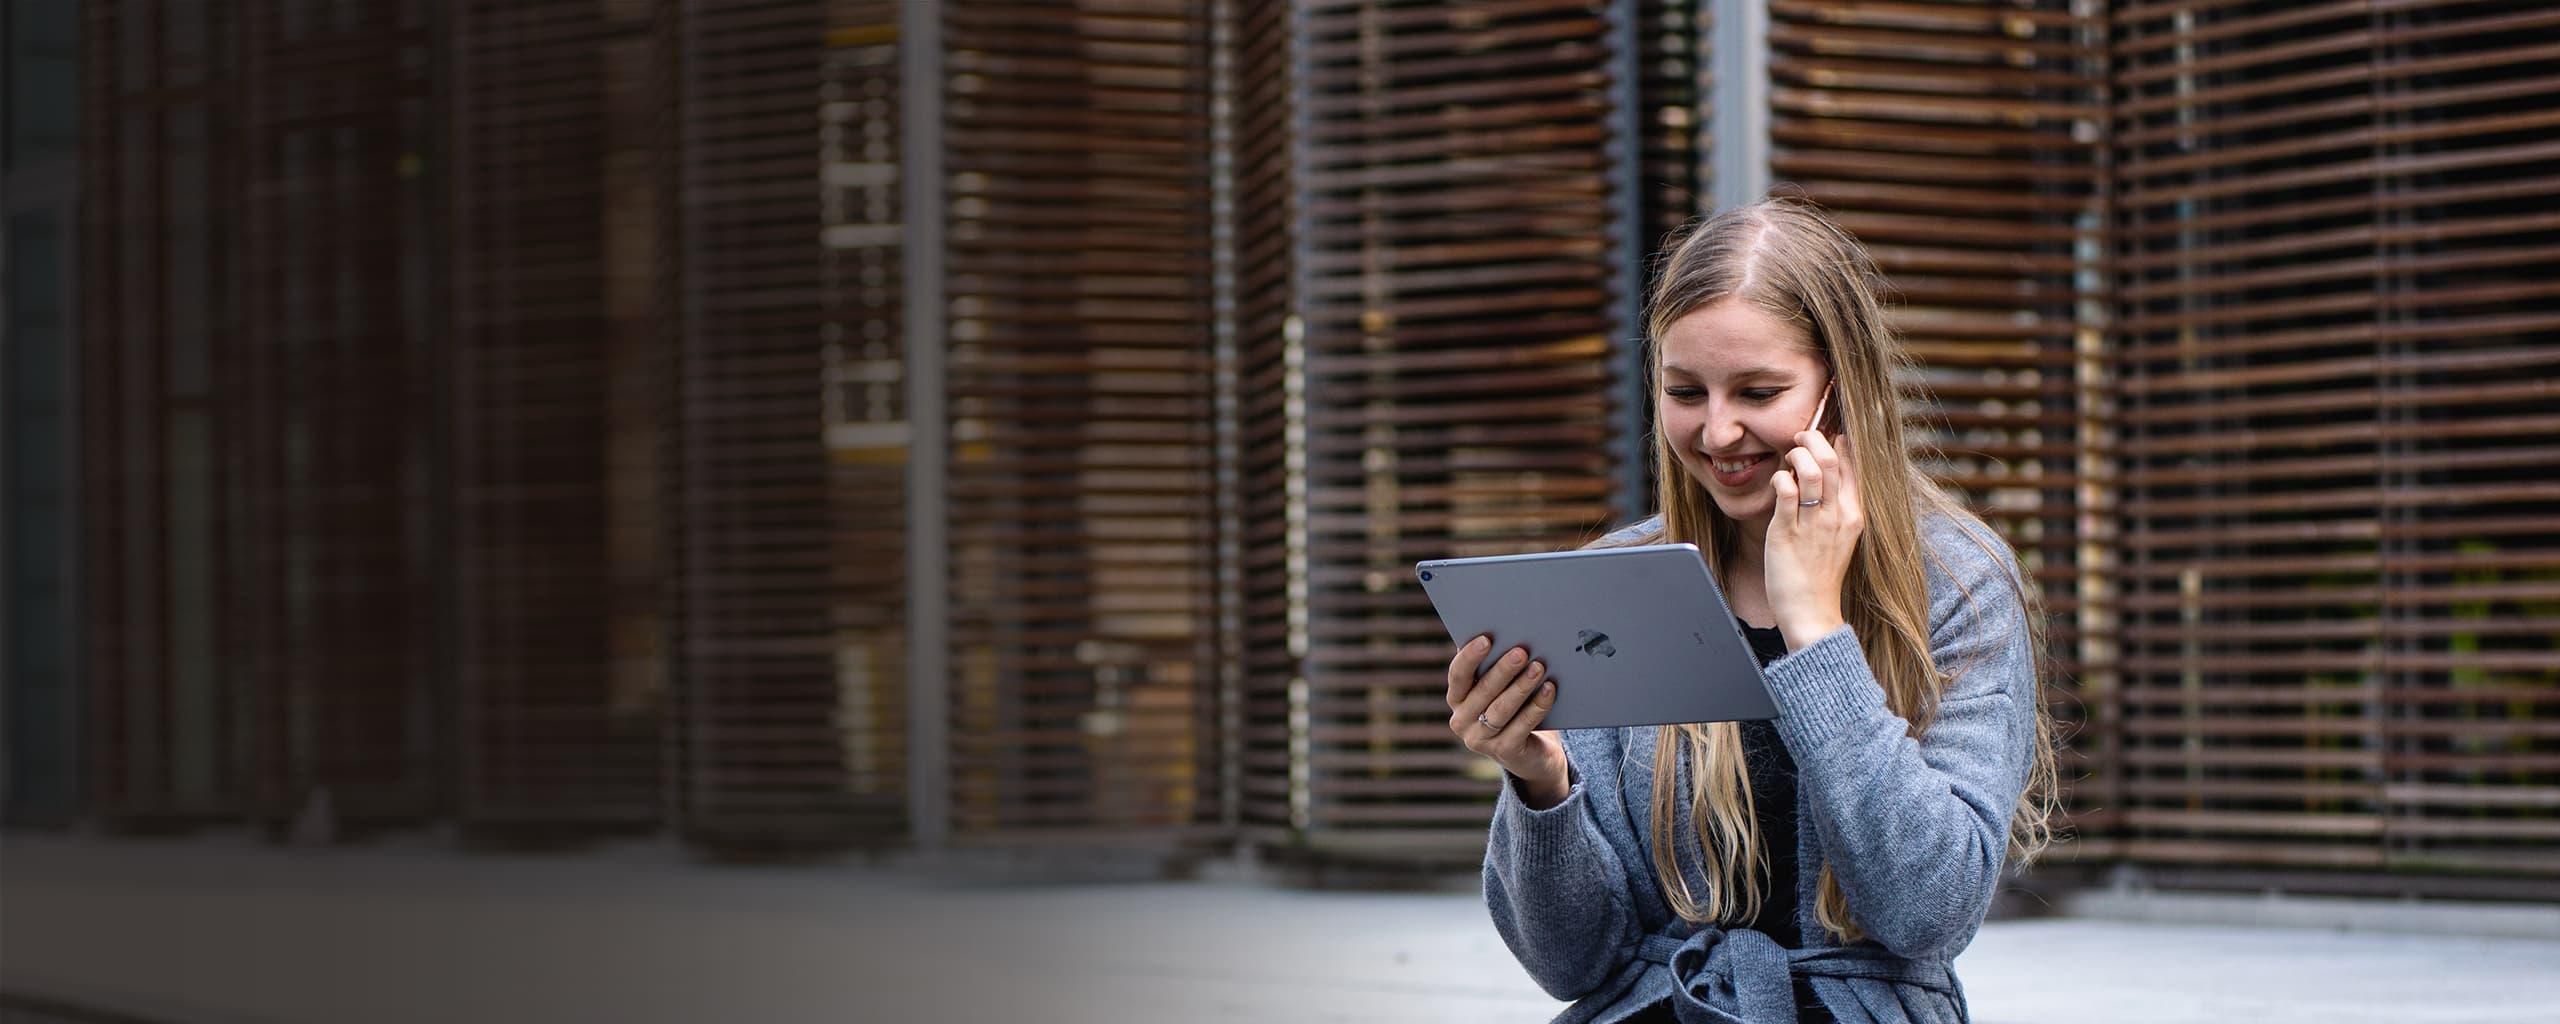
x=2328, y=913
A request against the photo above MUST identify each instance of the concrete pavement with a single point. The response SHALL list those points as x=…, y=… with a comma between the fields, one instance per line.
x=228, y=930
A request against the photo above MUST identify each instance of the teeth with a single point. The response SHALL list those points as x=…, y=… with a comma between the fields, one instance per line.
x=1733, y=467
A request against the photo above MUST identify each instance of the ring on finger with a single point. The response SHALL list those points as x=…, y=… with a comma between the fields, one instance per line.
x=1487, y=723
x=1809, y=503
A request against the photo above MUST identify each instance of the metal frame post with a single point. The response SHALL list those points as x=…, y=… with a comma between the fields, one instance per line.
x=1738, y=56
x=928, y=604
x=1625, y=155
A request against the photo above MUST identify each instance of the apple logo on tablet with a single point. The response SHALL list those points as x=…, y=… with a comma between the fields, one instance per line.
x=1594, y=642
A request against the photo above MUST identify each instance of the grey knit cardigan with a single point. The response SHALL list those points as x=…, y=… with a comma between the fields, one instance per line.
x=1916, y=831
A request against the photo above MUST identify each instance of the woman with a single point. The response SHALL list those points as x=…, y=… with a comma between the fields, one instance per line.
x=1828, y=865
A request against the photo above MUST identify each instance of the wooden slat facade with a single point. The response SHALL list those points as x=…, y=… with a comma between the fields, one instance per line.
x=760, y=755
x=1441, y=384
x=1268, y=208
x=260, y=606
x=137, y=765
x=1963, y=145
x=1080, y=378
x=1675, y=121
x=501, y=416
x=865, y=405
x=553, y=724
x=42, y=741
x=335, y=531
x=2335, y=251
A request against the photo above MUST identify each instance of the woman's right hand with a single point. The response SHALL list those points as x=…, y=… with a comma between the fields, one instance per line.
x=1497, y=715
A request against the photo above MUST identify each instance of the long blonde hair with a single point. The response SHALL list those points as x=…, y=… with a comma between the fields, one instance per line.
x=1786, y=257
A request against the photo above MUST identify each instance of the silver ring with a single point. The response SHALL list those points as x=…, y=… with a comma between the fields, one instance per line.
x=1481, y=720
x=1809, y=503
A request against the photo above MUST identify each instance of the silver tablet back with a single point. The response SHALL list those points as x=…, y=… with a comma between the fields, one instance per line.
x=1631, y=635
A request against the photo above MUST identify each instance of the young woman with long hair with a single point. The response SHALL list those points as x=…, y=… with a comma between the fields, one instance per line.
x=1829, y=864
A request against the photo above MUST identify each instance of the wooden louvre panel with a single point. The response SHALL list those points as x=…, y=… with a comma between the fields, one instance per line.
x=2339, y=237
x=866, y=418
x=1446, y=388
x=1676, y=171
x=1267, y=205
x=544, y=735
x=336, y=561
x=1674, y=92
x=261, y=603
x=1962, y=144
x=150, y=752
x=762, y=757
x=1082, y=468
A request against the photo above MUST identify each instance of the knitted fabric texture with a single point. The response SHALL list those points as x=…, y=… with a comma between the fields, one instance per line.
x=1915, y=830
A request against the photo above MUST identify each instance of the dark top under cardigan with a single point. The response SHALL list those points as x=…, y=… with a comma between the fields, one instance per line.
x=1773, y=797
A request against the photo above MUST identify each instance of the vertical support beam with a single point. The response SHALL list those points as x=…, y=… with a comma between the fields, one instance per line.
x=1229, y=648
x=1738, y=57
x=49, y=741
x=1293, y=383
x=928, y=604
x=1630, y=499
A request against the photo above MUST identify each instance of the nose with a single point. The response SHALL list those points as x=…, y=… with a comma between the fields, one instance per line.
x=1722, y=429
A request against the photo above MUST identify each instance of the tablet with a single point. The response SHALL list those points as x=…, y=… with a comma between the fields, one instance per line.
x=1631, y=635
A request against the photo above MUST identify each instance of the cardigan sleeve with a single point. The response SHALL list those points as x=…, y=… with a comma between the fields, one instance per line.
x=1916, y=831
x=1555, y=886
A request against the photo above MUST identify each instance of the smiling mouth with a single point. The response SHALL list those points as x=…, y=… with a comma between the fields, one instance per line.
x=1731, y=466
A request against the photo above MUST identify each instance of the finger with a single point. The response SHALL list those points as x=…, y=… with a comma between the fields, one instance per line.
x=1462, y=669
x=1808, y=473
x=1506, y=707
x=1824, y=455
x=1527, y=721
x=1490, y=686
x=1784, y=483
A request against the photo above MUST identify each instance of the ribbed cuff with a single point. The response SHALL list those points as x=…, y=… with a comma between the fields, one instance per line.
x=1823, y=690
x=1541, y=838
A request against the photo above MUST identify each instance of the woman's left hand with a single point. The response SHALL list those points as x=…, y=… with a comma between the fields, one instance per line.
x=1812, y=533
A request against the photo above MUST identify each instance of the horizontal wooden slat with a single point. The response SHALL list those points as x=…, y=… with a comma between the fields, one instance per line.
x=2315, y=197
x=1080, y=375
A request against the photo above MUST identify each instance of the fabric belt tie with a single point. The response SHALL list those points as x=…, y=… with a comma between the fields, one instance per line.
x=1742, y=976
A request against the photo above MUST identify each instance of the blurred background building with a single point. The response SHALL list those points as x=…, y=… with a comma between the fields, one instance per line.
x=817, y=424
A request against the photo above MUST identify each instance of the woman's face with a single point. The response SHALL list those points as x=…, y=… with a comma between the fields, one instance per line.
x=1737, y=385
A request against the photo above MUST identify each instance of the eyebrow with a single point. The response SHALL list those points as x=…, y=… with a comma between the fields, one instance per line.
x=1756, y=371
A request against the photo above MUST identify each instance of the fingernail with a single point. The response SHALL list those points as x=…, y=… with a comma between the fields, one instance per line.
x=1478, y=643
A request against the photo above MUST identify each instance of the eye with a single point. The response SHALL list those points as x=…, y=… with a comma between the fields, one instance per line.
x=1683, y=394
x=1761, y=394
